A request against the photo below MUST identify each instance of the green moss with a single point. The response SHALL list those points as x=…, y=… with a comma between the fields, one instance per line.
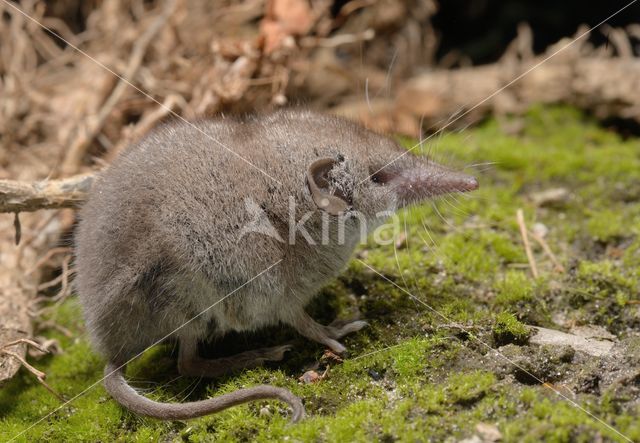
x=603, y=281
x=548, y=420
x=507, y=329
x=514, y=288
x=469, y=388
x=604, y=274
x=421, y=370
x=631, y=257
x=606, y=225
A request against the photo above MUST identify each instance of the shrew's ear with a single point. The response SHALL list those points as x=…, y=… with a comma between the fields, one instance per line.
x=318, y=181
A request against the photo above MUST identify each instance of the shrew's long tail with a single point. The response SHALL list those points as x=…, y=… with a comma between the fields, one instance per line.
x=128, y=397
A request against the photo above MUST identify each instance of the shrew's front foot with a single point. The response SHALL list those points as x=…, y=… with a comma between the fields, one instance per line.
x=339, y=328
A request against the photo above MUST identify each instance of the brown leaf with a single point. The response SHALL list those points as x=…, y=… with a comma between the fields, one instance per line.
x=285, y=18
x=310, y=377
x=329, y=355
x=293, y=15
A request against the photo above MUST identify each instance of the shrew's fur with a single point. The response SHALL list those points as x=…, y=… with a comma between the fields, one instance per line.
x=161, y=238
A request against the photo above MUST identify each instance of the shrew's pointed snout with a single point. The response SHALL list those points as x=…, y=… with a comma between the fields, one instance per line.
x=427, y=181
x=460, y=183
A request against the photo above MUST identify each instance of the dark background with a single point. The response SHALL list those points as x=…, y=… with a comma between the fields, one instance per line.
x=482, y=29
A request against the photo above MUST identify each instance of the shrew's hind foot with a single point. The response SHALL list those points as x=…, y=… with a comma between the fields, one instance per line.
x=192, y=365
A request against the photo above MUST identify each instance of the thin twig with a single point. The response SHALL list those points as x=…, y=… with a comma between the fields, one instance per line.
x=40, y=376
x=50, y=324
x=46, y=285
x=50, y=253
x=24, y=341
x=547, y=250
x=62, y=278
x=338, y=40
x=527, y=245
x=146, y=123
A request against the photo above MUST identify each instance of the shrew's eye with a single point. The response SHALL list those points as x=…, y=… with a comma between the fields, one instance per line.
x=379, y=177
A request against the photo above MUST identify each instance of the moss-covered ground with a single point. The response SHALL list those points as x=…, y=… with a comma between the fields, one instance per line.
x=458, y=286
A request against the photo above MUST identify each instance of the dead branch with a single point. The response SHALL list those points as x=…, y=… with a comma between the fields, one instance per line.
x=579, y=75
x=604, y=86
x=40, y=376
x=16, y=196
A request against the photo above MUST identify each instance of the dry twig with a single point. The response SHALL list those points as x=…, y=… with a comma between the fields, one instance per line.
x=527, y=246
x=40, y=376
x=146, y=123
x=50, y=253
x=16, y=196
x=63, y=293
x=547, y=250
